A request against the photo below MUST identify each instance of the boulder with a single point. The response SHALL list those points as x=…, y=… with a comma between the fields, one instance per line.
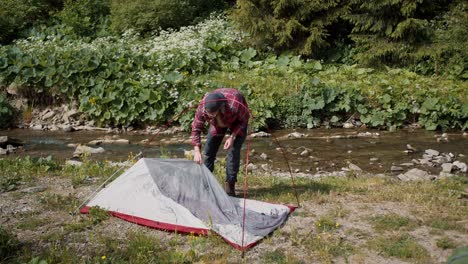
x=415, y=175
x=82, y=149
x=461, y=166
x=260, y=134
x=447, y=167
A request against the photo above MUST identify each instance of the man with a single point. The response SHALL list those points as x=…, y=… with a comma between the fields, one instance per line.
x=226, y=111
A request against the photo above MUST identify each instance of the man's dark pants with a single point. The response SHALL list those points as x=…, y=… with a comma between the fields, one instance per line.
x=233, y=156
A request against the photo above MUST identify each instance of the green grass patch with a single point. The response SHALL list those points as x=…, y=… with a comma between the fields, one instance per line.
x=8, y=244
x=446, y=243
x=444, y=224
x=391, y=222
x=402, y=246
x=327, y=246
x=57, y=202
x=31, y=221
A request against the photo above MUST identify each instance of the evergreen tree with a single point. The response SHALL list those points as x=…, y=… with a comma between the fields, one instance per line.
x=395, y=32
x=304, y=26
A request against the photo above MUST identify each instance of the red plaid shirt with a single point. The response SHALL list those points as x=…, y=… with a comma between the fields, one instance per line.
x=235, y=116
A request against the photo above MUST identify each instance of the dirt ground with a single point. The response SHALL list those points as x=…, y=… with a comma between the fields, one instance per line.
x=18, y=206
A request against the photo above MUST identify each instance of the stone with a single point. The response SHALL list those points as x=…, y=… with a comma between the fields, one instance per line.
x=461, y=166
x=3, y=151
x=36, y=189
x=260, y=134
x=446, y=174
x=37, y=127
x=251, y=167
x=354, y=167
x=441, y=160
x=74, y=163
x=368, y=134
x=263, y=156
x=13, y=89
x=82, y=149
x=304, y=153
x=48, y=115
x=425, y=161
x=348, y=125
x=407, y=164
x=415, y=175
x=266, y=167
x=374, y=159
x=68, y=128
x=447, y=167
x=296, y=135
x=396, y=168
x=432, y=152
x=70, y=115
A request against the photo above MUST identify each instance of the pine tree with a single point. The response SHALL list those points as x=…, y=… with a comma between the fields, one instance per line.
x=304, y=26
x=395, y=32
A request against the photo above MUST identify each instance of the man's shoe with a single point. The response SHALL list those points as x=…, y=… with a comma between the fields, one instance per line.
x=230, y=188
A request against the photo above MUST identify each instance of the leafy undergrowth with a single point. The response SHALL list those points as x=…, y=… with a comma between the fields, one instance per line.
x=341, y=219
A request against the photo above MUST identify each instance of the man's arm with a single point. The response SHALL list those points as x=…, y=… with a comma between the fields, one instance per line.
x=197, y=127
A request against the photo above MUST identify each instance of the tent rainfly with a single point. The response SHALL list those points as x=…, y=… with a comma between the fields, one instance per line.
x=180, y=195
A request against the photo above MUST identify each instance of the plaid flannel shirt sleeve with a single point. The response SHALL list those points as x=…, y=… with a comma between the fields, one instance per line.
x=197, y=125
x=243, y=115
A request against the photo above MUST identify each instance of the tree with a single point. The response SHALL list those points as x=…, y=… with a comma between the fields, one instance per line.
x=395, y=32
x=305, y=26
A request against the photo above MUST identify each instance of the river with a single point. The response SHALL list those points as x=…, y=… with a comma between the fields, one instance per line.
x=327, y=149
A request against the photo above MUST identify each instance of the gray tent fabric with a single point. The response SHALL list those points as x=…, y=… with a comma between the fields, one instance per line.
x=181, y=193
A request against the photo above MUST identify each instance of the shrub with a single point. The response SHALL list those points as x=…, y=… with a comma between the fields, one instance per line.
x=85, y=17
x=17, y=15
x=6, y=112
x=149, y=15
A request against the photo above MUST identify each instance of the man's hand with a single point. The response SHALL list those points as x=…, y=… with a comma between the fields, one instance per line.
x=229, y=142
x=197, y=157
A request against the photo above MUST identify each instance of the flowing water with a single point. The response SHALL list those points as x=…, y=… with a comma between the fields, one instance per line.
x=327, y=149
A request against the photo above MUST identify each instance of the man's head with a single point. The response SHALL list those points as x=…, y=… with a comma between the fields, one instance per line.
x=214, y=101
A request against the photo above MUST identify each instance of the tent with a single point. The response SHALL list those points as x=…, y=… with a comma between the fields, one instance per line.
x=180, y=195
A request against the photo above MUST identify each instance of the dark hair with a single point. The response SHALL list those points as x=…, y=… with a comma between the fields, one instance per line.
x=213, y=101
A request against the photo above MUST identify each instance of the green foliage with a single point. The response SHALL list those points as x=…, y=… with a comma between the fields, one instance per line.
x=17, y=15
x=302, y=26
x=146, y=16
x=6, y=112
x=85, y=17
x=394, y=39
x=311, y=96
x=120, y=81
x=12, y=171
x=8, y=244
x=447, y=54
x=131, y=81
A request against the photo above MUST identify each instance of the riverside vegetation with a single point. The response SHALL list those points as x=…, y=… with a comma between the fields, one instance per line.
x=130, y=80
x=353, y=218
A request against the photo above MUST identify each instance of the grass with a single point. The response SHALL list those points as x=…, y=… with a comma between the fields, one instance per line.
x=446, y=243
x=328, y=229
x=402, y=246
x=391, y=222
